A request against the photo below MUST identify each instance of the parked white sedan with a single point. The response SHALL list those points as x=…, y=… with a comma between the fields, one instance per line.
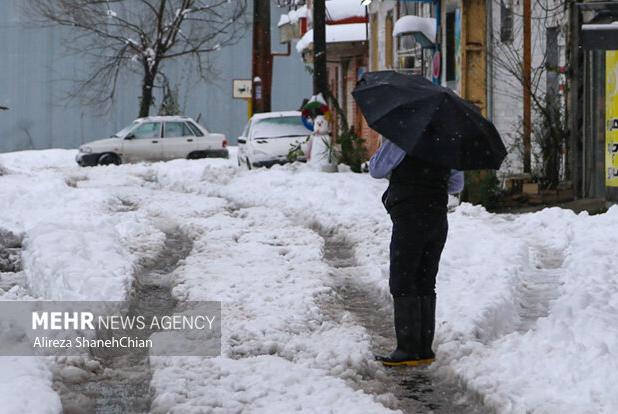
x=158, y=138
x=268, y=138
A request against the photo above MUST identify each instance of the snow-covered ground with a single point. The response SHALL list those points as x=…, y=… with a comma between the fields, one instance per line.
x=527, y=305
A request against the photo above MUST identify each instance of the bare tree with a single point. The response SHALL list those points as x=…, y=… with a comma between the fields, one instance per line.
x=549, y=127
x=141, y=36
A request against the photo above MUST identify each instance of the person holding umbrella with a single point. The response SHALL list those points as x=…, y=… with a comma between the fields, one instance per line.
x=416, y=200
x=431, y=134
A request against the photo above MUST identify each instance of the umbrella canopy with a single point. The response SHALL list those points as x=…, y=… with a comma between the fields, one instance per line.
x=428, y=121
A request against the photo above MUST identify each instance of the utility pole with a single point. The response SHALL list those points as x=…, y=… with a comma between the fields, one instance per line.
x=320, y=81
x=527, y=82
x=262, y=64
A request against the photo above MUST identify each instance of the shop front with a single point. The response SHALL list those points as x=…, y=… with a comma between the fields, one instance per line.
x=594, y=142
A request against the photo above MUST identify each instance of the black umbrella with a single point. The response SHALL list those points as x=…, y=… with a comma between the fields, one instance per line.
x=428, y=121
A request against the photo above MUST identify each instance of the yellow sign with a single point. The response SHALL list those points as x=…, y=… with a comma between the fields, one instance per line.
x=611, y=118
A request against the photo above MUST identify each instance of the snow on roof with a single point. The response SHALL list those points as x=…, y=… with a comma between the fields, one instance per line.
x=344, y=9
x=163, y=118
x=294, y=15
x=339, y=33
x=409, y=24
x=283, y=20
x=266, y=115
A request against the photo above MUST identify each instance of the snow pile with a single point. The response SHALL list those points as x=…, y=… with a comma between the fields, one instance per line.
x=410, y=23
x=340, y=33
x=26, y=386
x=569, y=361
x=344, y=9
x=264, y=384
x=32, y=161
x=72, y=241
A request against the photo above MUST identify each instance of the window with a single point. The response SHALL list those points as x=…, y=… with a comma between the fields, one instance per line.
x=388, y=41
x=552, y=77
x=124, y=131
x=177, y=129
x=198, y=132
x=282, y=127
x=506, y=21
x=148, y=130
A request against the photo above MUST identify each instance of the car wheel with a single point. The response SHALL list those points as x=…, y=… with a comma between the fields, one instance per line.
x=109, y=159
x=196, y=155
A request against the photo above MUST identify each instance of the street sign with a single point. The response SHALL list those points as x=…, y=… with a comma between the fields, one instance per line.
x=241, y=88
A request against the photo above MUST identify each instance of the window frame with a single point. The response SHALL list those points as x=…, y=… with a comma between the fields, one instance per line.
x=138, y=126
x=196, y=130
x=184, y=127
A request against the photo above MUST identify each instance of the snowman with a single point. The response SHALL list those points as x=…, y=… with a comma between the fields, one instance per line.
x=321, y=156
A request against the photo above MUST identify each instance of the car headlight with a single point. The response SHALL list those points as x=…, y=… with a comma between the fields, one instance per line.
x=85, y=150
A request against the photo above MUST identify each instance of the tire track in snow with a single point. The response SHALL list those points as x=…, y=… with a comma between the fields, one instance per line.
x=417, y=390
x=121, y=384
x=10, y=261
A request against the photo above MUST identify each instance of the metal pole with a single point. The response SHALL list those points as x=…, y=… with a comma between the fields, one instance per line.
x=262, y=64
x=526, y=77
x=320, y=80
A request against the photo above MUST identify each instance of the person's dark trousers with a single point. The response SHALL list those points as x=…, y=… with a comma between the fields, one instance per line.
x=416, y=246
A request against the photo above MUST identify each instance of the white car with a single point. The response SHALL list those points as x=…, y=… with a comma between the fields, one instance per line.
x=157, y=138
x=269, y=137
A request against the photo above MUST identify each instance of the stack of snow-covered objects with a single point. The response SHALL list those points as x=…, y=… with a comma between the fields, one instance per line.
x=293, y=25
x=345, y=27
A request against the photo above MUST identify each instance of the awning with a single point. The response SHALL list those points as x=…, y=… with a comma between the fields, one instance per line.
x=422, y=28
x=339, y=33
x=600, y=36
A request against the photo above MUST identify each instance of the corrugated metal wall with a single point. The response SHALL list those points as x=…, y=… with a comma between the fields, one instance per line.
x=35, y=70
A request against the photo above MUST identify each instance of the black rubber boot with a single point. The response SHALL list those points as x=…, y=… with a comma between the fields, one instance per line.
x=408, y=332
x=428, y=327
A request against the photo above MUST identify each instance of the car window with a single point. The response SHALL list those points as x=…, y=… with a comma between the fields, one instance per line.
x=147, y=130
x=245, y=132
x=177, y=129
x=285, y=126
x=198, y=132
x=124, y=131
